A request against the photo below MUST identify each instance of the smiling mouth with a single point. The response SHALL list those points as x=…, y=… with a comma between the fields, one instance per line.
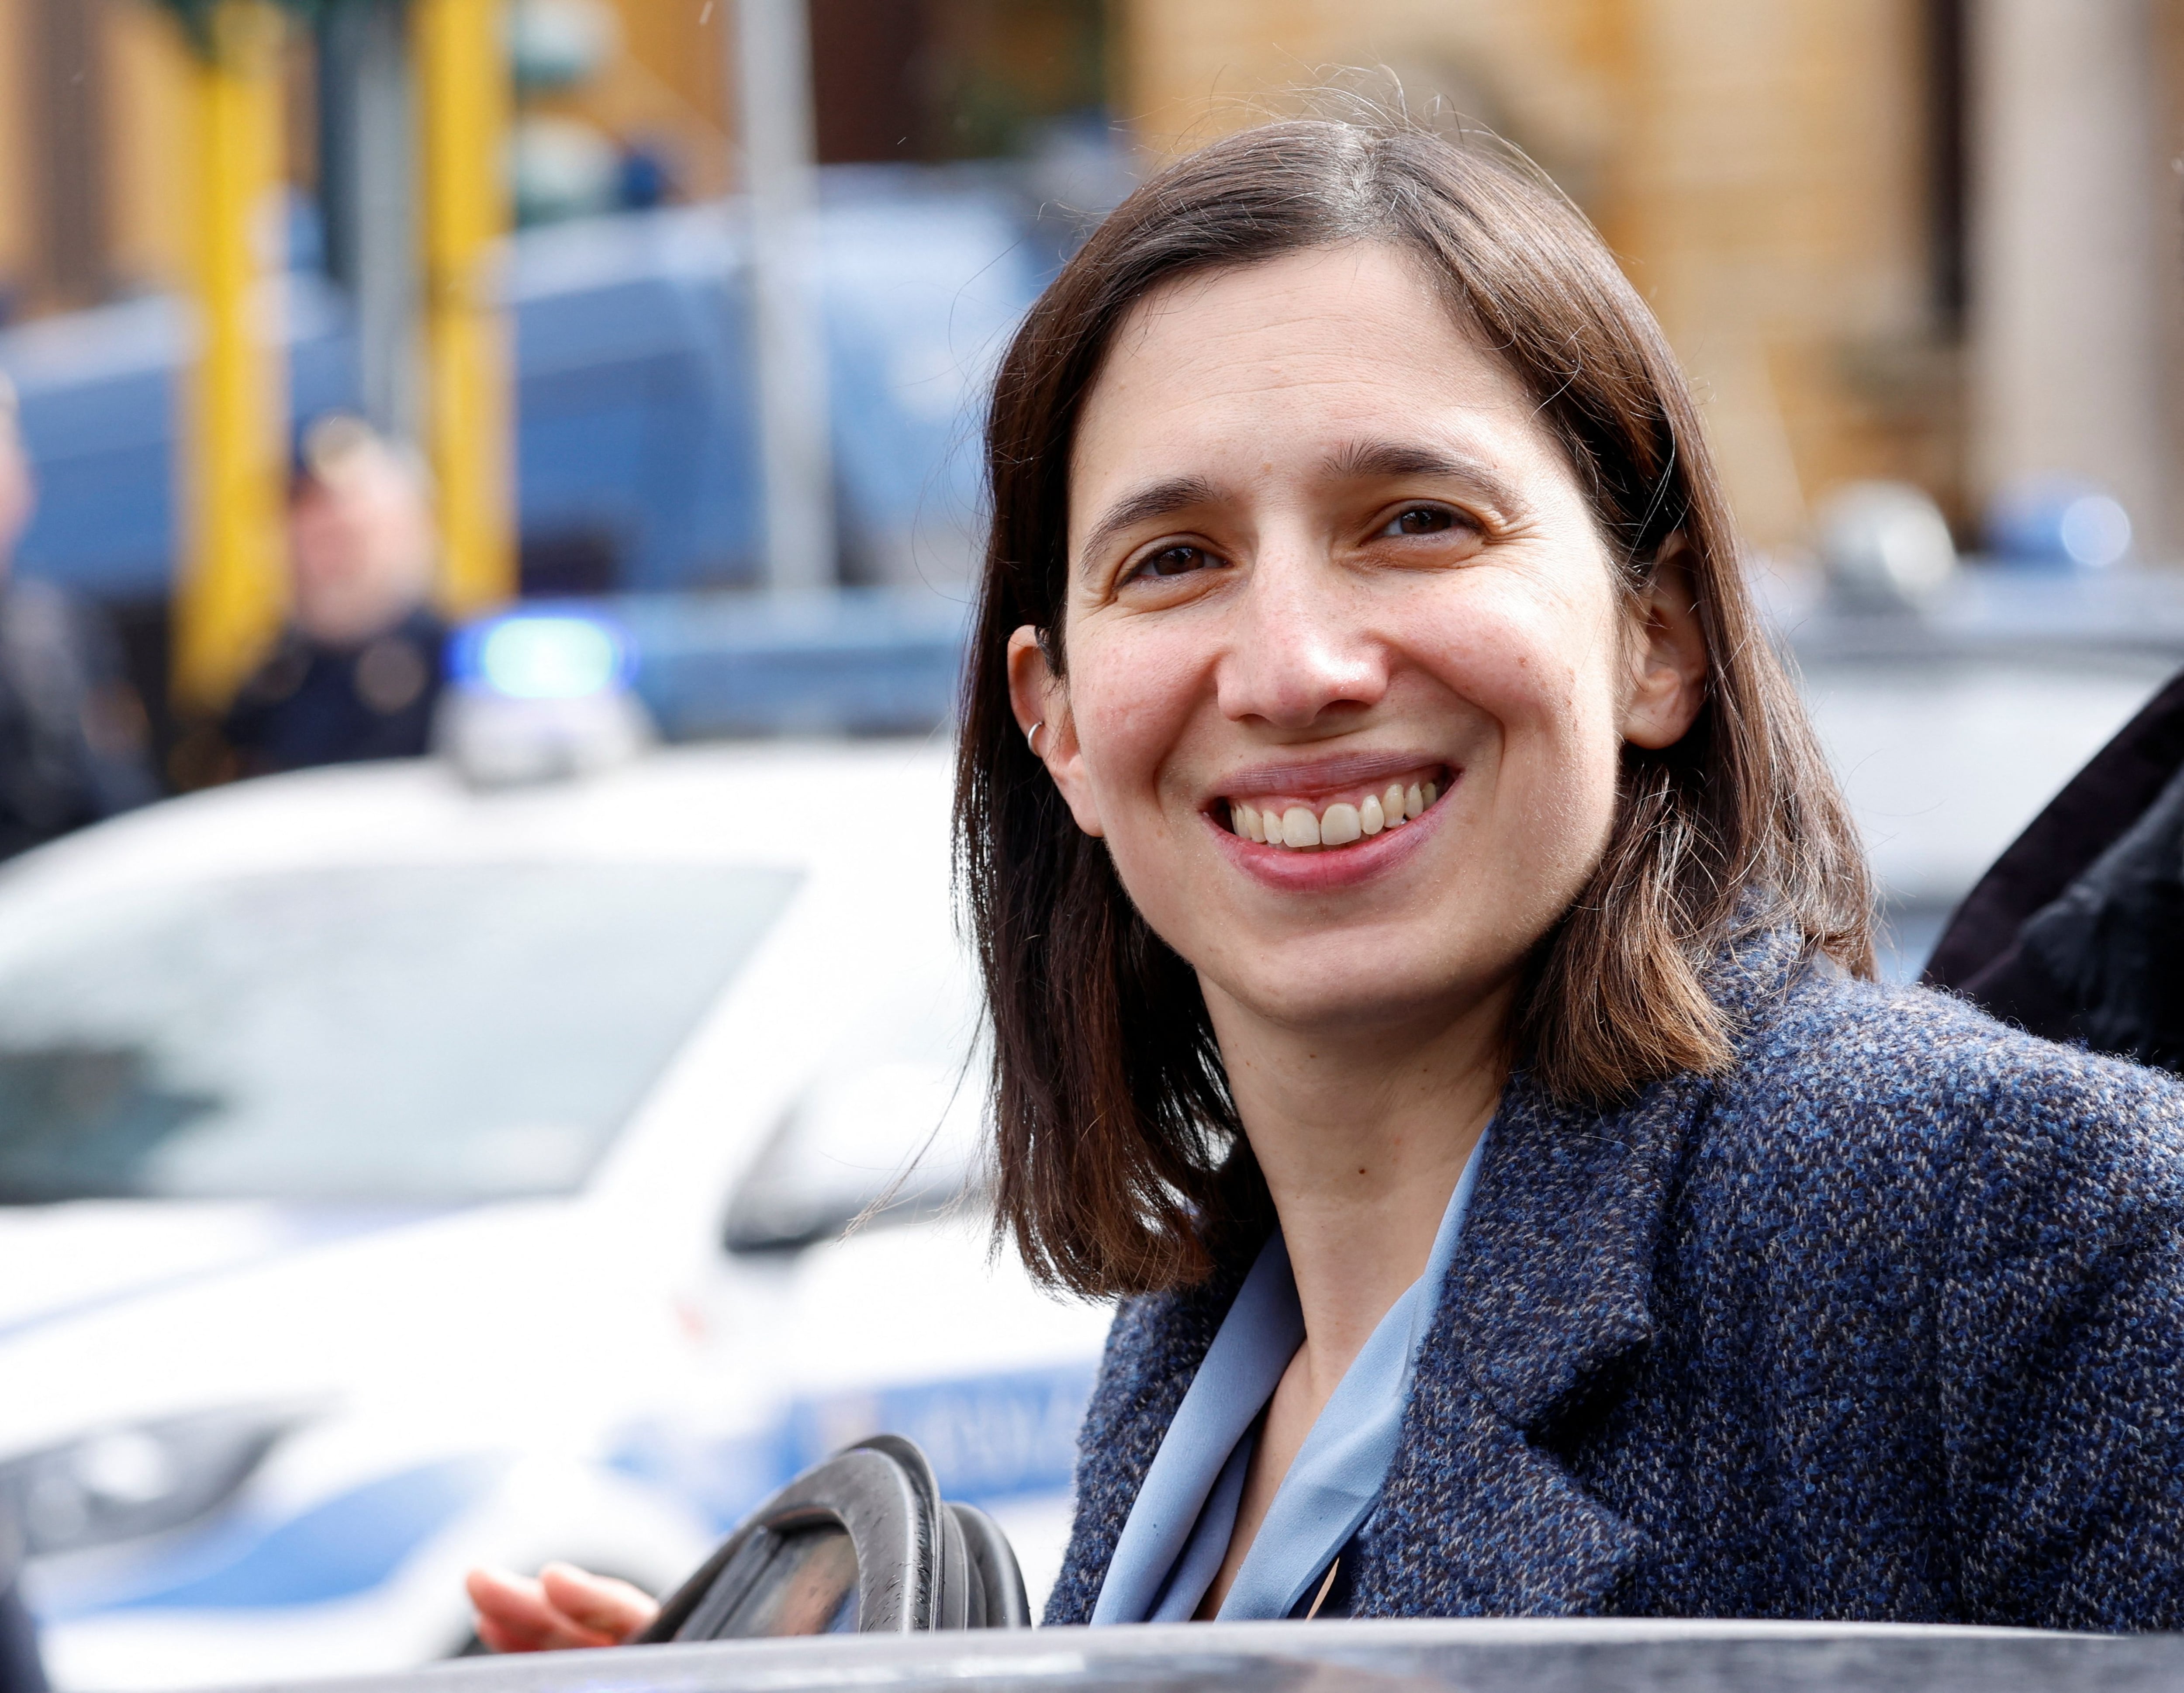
x=1301, y=825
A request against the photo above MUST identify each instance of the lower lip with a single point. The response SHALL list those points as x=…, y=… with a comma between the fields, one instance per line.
x=1293, y=871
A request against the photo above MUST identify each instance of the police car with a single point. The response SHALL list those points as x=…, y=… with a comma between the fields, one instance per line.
x=405, y=1169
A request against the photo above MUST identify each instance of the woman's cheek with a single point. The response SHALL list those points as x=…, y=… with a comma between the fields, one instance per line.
x=1579, y=749
x=1581, y=793
x=1132, y=703
x=1556, y=772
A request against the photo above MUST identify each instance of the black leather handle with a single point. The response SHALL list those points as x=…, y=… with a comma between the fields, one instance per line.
x=921, y=1563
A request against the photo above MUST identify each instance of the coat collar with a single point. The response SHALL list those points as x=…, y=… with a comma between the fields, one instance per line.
x=1552, y=1284
x=1550, y=1295
x=1548, y=1291
x=1154, y=1352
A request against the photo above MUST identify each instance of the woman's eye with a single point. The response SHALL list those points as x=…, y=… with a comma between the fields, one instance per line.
x=1420, y=520
x=1174, y=561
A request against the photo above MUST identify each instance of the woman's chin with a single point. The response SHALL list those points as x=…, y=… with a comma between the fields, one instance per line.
x=1331, y=991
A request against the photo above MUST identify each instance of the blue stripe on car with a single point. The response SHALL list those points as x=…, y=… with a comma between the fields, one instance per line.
x=341, y=1548
x=989, y=1437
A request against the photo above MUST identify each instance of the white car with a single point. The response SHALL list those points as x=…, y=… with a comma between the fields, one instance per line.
x=399, y=1176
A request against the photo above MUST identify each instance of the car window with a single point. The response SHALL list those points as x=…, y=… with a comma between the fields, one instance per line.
x=427, y=1033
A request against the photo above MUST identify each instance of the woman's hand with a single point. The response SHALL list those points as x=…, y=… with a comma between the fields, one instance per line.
x=565, y=1606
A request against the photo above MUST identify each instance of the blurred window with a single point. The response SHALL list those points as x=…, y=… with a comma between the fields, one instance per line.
x=418, y=1033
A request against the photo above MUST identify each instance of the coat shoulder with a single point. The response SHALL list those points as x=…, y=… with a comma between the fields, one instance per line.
x=1873, y=1067
x=1976, y=1238
x=1942, y=1127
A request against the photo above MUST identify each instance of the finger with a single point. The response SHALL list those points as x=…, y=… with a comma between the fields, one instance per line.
x=498, y=1638
x=599, y=1603
x=513, y=1614
x=508, y=1594
x=522, y=1616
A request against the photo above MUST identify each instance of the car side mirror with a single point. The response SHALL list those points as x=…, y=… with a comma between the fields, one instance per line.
x=860, y=1543
x=889, y=1142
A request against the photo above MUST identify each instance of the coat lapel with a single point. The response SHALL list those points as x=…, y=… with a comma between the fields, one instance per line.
x=1153, y=1355
x=1548, y=1293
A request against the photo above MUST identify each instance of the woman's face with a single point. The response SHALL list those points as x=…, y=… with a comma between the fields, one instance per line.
x=1326, y=564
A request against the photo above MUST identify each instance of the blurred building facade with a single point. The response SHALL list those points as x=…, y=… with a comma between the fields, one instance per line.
x=1928, y=239
x=1936, y=240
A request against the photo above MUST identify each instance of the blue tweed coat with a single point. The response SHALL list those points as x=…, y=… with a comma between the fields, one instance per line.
x=1886, y=1322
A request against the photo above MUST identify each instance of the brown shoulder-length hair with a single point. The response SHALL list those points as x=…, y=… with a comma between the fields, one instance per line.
x=1120, y=1165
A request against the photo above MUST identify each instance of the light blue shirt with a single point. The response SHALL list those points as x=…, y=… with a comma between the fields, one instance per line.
x=1178, y=1531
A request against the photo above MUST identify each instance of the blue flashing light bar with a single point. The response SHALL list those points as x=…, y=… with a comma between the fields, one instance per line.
x=859, y=660
x=862, y=660
x=543, y=655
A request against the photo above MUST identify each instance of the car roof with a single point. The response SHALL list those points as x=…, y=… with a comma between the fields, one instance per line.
x=1480, y=1655
x=783, y=802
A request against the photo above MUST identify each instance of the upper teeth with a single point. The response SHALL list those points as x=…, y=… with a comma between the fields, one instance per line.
x=1340, y=824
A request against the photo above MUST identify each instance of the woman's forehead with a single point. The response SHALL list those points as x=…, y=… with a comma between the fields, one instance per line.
x=1363, y=301
x=1293, y=362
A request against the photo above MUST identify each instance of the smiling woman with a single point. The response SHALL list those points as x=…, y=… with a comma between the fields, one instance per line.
x=1429, y=969
x=1276, y=534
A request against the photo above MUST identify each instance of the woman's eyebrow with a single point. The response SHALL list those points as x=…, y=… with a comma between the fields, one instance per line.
x=1371, y=459
x=1157, y=499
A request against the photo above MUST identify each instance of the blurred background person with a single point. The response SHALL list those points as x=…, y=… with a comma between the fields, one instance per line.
x=72, y=731
x=2076, y=932
x=357, y=671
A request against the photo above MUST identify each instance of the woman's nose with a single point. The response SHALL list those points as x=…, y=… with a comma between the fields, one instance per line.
x=1301, y=645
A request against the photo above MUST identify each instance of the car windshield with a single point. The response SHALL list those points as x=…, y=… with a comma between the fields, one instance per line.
x=424, y=1033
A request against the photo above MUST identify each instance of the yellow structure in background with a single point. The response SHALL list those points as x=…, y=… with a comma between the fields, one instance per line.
x=463, y=104
x=230, y=598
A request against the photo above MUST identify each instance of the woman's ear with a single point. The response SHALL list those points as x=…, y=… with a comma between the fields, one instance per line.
x=1041, y=704
x=1669, y=662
